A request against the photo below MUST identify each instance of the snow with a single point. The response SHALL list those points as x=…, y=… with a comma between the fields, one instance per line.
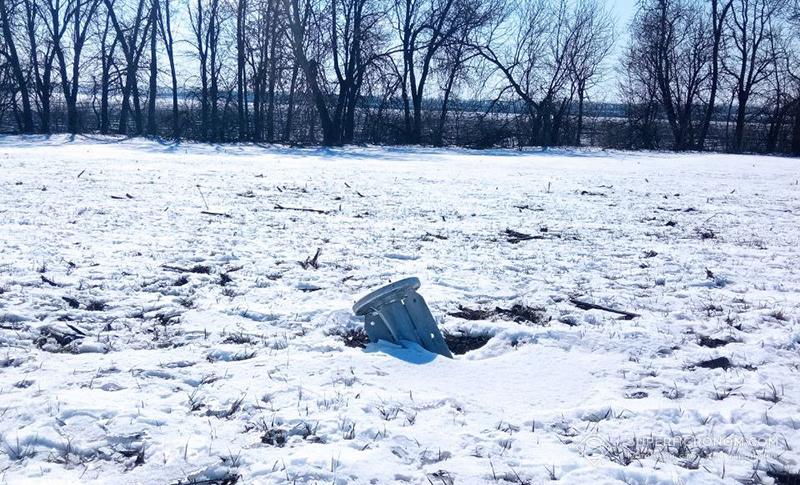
x=127, y=356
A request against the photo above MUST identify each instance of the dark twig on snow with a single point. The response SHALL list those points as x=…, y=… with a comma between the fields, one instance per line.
x=198, y=268
x=76, y=329
x=669, y=209
x=430, y=237
x=62, y=337
x=302, y=209
x=72, y=302
x=515, y=236
x=472, y=314
x=220, y=214
x=202, y=196
x=528, y=207
x=47, y=280
x=311, y=262
x=521, y=313
x=705, y=233
x=585, y=305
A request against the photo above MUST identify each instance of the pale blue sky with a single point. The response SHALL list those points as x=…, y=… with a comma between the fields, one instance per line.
x=623, y=11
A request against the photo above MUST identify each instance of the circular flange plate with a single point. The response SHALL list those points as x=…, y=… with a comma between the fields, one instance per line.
x=385, y=295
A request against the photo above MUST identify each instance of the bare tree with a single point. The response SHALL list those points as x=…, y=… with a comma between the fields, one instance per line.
x=423, y=27
x=293, y=83
x=348, y=34
x=672, y=46
x=165, y=27
x=241, y=72
x=594, y=39
x=132, y=37
x=106, y=58
x=275, y=28
x=719, y=14
x=452, y=66
x=265, y=43
x=206, y=20
x=794, y=19
x=776, y=91
x=6, y=83
x=6, y=16
x=749, y=61
x=517, y=50
x=152, y=92
x=639, y=90
x=535, y=52
x=76, y=15
x=41, y=57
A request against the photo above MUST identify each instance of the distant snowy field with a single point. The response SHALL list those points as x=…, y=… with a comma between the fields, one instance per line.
x=142, y=341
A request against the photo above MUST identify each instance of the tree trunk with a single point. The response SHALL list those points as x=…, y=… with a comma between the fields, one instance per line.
x=738, y=131
x=439, y=137
x=241, y=95
x=796, y=129
x=152, y=128
x=287, y=132
x=258, y=107
x=176, y=126
x=165, y=24
x=717, y=22
x=273, y=63
x=106, y=60
x=105, y=81
x=416, y=134
x=213, y=91
x=82, y=19
x=579, y=127
x=138, y=118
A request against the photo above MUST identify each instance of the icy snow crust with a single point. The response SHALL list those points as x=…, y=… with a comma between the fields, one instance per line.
x=142, y=341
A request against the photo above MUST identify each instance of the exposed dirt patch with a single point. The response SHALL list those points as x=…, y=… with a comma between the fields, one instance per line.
x=518, y=313
x=355, y=337
x=783, y=477
x=718, y=363
x=460, y=343
x=713, y=343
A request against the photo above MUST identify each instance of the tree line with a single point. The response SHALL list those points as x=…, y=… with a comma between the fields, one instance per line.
x=693, y=75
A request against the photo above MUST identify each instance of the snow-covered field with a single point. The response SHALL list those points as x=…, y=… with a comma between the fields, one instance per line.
x=143, y=341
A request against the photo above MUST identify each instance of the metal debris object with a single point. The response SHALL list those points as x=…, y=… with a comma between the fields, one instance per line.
x=397, y=313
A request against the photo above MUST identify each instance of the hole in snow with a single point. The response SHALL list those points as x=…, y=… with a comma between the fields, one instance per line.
x=353, y=337
x=461, y=343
